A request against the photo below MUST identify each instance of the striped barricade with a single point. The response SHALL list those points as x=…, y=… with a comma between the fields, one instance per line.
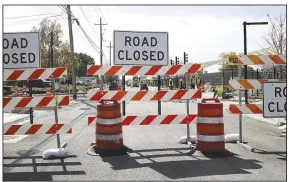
x=162, y=95
x=153, y=119
x=36, y=129
x=246, y=109
x=249, y=83
x=34, y=102
x=142, y=70
x=256, y=60
x=34, y=74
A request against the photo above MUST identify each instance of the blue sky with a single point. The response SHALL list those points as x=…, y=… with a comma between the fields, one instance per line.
x=204, y=32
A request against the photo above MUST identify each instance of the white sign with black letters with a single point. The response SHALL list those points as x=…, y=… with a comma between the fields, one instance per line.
x=140, y=48
x=21, y=50
x=274, y=99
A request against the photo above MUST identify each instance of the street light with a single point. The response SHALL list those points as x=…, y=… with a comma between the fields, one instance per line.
x=245, y=49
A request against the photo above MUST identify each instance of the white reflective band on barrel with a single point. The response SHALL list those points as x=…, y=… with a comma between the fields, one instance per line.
x=209, y=120
x=206, y=138
x=108, y=121
x=109, y=137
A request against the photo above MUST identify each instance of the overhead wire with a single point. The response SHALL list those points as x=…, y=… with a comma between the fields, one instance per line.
x=28, y=16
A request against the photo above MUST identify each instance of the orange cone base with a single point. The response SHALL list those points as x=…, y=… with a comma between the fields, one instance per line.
x=210, y=146
x=213, y=149
x=95, y=151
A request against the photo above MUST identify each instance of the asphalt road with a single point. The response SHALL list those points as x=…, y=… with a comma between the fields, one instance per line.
x=156, y=155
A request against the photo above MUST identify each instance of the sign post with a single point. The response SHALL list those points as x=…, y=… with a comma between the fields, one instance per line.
x=141, y=48
x=274, y=99
x=20, y=51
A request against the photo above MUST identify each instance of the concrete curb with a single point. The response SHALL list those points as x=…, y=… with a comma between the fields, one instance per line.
x=20, y=120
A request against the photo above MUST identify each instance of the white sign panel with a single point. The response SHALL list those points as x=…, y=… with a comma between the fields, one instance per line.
x=140, y=48
x=21, y=50
x=274, y=99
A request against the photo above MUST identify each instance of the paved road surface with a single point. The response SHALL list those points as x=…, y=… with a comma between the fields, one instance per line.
x=157, y=154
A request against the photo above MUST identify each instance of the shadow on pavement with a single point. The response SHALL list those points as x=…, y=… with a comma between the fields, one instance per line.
x=178, y=164
x=36, y=175
x=282, y=154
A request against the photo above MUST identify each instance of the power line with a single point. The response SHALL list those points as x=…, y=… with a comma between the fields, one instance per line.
x=33, y=20
x=87, y=19
x=30, y=16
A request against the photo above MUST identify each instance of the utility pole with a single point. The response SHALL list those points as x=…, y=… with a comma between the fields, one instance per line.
x=101, y=53
x=72, y=53
x=110, y=47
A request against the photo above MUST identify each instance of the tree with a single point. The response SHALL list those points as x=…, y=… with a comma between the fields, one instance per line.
x=227, y=67
x=276, y=40
x=83, y=60
x=61, y=48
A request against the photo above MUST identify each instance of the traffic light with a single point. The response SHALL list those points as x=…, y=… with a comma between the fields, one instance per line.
x=177, y=60
x=186, y=59
x=172, y=62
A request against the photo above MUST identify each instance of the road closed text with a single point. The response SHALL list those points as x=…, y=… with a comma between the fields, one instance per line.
x=140, y=48
x=140, y=55
x=21, y=50
x=275, y=106
x=17, y=57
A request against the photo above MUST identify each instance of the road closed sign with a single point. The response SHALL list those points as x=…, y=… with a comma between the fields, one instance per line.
x=274, y=99
x=21, y=50
x=140, y=48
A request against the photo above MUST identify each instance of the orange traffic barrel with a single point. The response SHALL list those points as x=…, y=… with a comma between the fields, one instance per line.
x=19, y=92
x=109, y=141
x=210, y=126
x=108, y=126
x=48, y=91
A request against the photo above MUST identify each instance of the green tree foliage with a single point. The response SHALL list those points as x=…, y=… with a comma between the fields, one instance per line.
x=83, y=60
x=62, y=57
x=226, y=67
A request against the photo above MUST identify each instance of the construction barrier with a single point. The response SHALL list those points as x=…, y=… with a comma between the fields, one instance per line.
x=35, y=129
x=35, y=102
x=142, y=70
x=19, y=92
x=34, y=74
x=256, y=60
x=210, y=127
x=32, y=102
x=244, y=84
x=249, y=84
x=160, y=95
x=48, y=91
x=163, y=95
x=246, y=109
x=153, y=119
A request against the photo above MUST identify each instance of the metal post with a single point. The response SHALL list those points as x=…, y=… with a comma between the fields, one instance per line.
x=188, y=107
x=123, y=102
x=53, y=89
x=245, y=53
x=72, y=53
x=257, y=79
x=240, y=102
x=159, y=102
x=30, y=95
x=101, y=77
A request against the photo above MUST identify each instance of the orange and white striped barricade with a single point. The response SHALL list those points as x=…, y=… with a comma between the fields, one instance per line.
x=48, y=91
x=249, y=83
x=35, y=102
x=210, y=128
x=256, y=60
x=19, y=92
x=108, y=130
x=246, y=109
x=153, y=119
